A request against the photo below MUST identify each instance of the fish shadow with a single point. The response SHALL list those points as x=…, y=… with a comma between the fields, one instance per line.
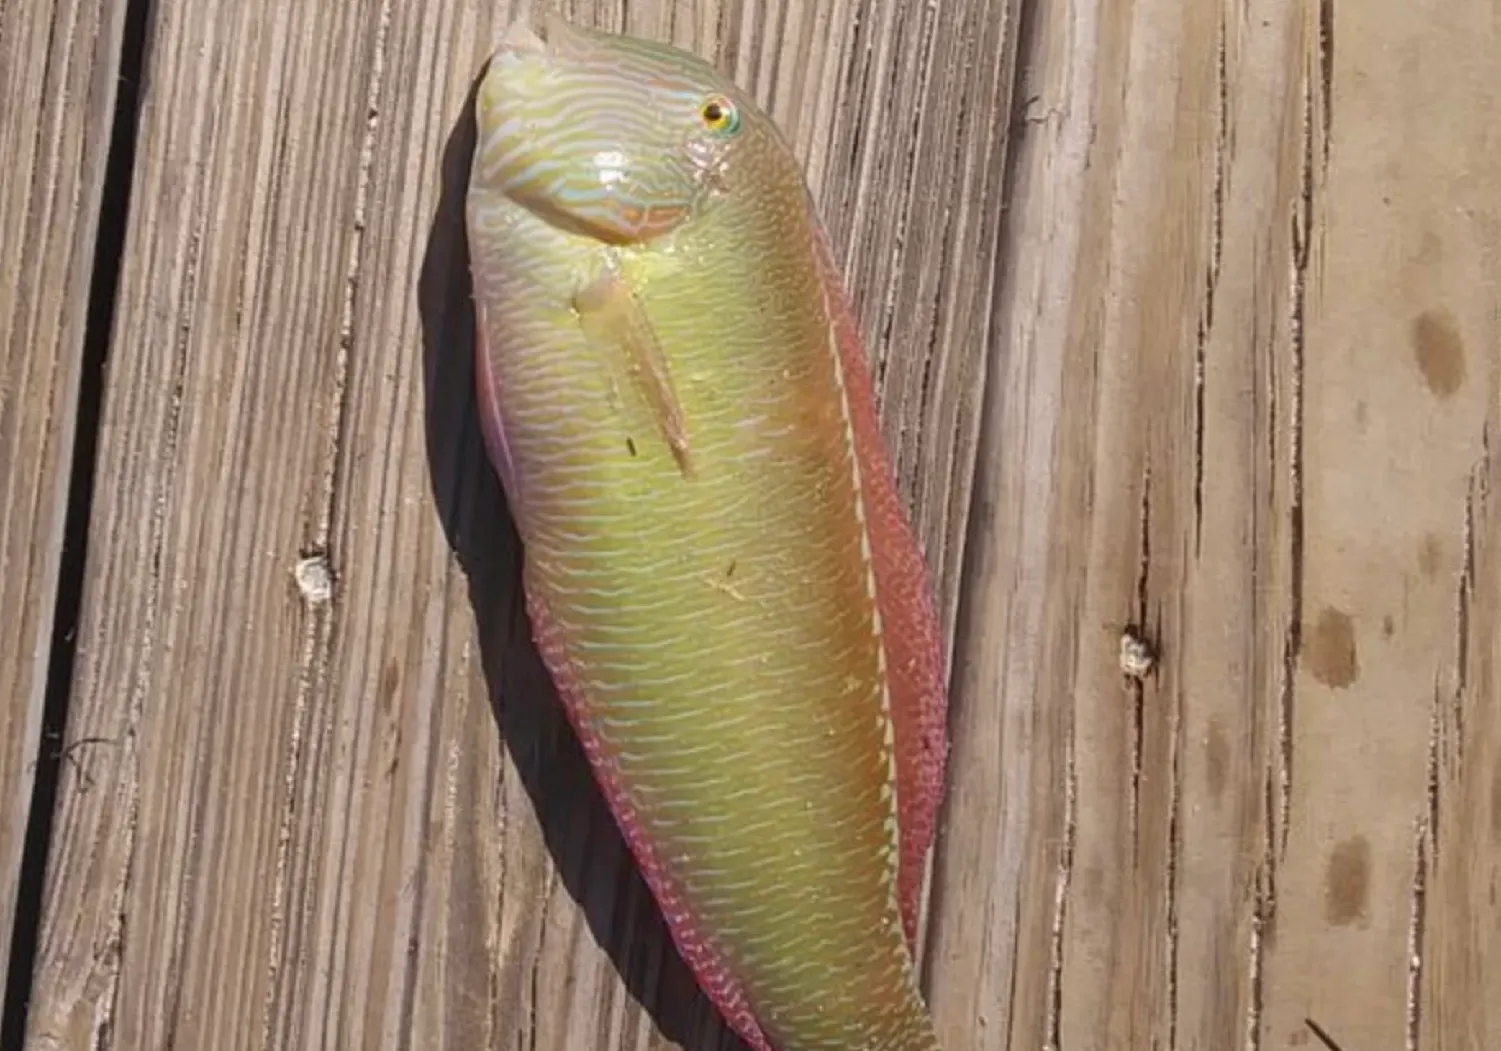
x=581, y=836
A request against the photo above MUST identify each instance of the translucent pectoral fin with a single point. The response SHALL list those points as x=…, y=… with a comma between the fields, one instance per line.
x=612, y=317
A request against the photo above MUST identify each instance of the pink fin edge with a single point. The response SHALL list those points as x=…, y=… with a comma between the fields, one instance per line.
x=904, y=595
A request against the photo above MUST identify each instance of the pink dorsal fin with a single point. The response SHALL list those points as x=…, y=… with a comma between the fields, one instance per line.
x=914, y=644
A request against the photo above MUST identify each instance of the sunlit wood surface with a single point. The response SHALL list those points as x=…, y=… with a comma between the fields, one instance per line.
x=1187, y=319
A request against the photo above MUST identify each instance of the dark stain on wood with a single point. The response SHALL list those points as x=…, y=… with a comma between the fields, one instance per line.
x=1439, y=352
x=1330, y=653
x=1430, y=556
x=1496, y=805
x=390, y=682
x=1347, y=882
x=1217, y=759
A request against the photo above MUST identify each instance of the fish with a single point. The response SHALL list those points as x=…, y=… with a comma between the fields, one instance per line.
x=720, y=574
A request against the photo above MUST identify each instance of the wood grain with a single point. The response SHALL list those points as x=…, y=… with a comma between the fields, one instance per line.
x=1194, y=338
x=59, y=60
x=300, y=826
x=1246, y=405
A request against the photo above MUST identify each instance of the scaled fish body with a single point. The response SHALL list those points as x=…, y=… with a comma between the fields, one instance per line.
x=720, y=575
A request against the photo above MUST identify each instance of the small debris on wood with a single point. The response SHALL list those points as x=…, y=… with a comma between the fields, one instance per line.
x=315, y=579
x=1138, y=657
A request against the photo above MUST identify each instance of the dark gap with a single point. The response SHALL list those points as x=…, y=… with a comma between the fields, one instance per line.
x=109, y=250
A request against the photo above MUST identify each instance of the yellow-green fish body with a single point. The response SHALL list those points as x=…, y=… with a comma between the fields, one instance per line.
x=713, y=547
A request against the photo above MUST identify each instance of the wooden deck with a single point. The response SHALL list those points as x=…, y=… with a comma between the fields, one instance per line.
x=1188, y=317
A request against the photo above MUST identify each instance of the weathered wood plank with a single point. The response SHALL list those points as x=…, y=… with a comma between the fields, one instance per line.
x=301, y=630
x=59, y=65
x=1247, y=402
x=1240, y=393
x=1389, y=919
x=180, y=874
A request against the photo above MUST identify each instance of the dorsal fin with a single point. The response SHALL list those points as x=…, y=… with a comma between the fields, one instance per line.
x=915, y=659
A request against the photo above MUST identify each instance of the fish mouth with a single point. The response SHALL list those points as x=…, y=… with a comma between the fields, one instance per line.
x=587, y=187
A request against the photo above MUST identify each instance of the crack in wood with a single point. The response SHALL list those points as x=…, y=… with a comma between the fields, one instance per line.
x=1322, y=1035
x=1136, y=685
x=1326, y=74
x=1063, y=882
x=1464, y=597
x=1173, y=877
x=1211, y=276
x=1417, y=925
x=1302, y=235
x=1263, y=902
x=124, y=29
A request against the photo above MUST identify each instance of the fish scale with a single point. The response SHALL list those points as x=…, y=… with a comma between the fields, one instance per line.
x=720, y=577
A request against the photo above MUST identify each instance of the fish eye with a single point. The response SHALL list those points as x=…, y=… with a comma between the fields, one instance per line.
x=720, y=115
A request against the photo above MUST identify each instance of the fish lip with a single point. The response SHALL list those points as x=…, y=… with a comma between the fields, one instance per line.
x=544, y=44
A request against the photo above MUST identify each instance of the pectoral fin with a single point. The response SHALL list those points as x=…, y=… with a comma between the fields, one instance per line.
x=611, y=316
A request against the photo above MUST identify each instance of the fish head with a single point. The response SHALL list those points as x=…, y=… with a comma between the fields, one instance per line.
x=610, y=137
